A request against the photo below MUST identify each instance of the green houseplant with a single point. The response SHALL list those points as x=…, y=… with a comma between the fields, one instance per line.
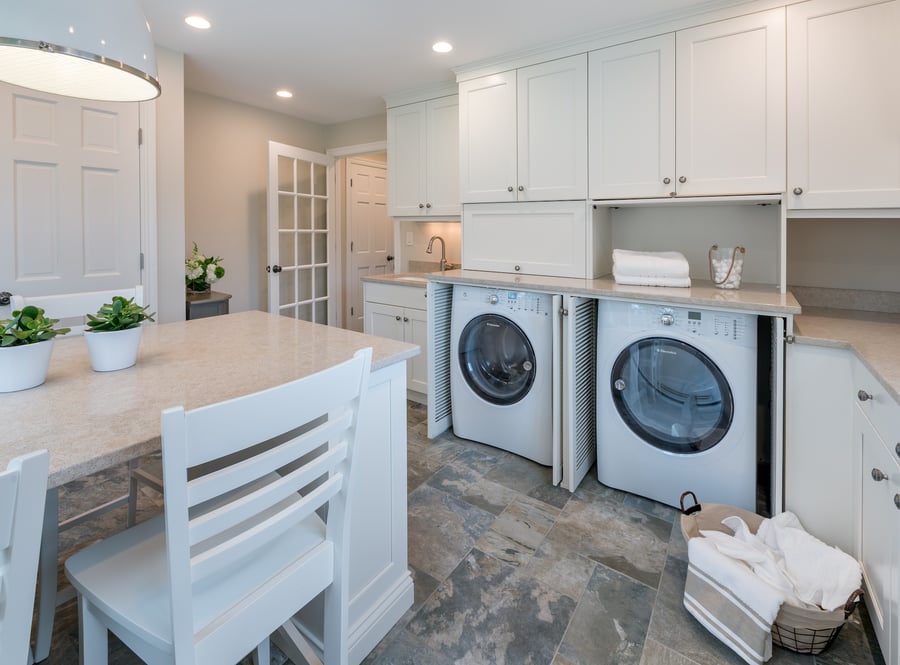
x=200, y=271
x=26, y=342
x=113, y=334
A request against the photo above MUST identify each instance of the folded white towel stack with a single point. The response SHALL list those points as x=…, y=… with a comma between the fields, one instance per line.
x=650, y=268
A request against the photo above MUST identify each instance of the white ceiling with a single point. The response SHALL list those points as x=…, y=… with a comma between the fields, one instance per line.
x=340, y=57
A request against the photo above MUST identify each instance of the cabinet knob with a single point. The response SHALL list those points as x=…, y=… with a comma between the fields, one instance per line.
x=397, y=317
x=421, y=205
x=521, y=188
x=897, y=449
x=427, y=205
x=798, y=191
x=897, y=501
x=509, y=189
x=406, y=319
x=682, y=180
x=666, y=181
x=863, y=396
x=878, y=475
x=518, y=268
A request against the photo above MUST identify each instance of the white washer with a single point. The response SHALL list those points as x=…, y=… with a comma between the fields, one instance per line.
x=501, y=369
x=676, y=402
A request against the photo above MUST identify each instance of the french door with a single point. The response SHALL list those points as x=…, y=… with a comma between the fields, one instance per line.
x=300, y=235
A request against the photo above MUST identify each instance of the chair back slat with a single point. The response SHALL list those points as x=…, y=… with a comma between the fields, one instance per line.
x=23, y=491
x=229, y=478
x=71, y=308
x=264, y=495
x=260, y=465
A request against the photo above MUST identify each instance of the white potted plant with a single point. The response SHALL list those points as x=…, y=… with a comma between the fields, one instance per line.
x=114, y=333
x=26, y=342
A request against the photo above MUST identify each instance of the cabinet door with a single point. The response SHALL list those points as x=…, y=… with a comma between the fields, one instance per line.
x=407, y=159
x=487, y=138
x=442, y=178
x=552, y=130
x=416, y=331
x=631, y=127
x=730, y=106
x=384, y=321
x=844, y=104
x=879, y=550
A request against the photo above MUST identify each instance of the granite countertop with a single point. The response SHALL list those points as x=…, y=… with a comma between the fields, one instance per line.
x=414, y=279
x=758, y=298
x=873, y=336
x=92, y=420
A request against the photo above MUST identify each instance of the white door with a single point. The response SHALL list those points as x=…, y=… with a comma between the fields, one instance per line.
x=631, y=129
x=69, y=194
x=843, y=104
x=730, y=106
x=487, y=139
x=300, y=235
x=552, y=130
x=370, y=231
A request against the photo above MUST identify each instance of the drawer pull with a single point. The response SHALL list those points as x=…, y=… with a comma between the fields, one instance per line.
x=863, y=396
x=878, y=475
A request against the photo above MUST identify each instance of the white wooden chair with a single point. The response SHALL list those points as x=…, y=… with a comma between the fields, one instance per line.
x=23, y=488
x=242, y=548
x=70, y=308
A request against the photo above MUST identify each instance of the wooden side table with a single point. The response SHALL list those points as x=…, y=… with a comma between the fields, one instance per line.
x=201, y=305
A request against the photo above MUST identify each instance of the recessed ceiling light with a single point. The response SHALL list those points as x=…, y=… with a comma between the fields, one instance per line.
x=442, y=47
x=285, y=94
x=198, y=22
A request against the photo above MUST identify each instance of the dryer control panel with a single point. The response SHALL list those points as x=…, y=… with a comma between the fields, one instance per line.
x=518, y=301
x=687, y=322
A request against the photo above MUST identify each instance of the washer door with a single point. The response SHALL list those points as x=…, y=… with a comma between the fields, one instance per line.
x=496, y=359
x=672, y=395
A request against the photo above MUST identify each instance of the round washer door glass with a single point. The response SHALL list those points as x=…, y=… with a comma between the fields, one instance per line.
x=497, y=359
x=672, y=395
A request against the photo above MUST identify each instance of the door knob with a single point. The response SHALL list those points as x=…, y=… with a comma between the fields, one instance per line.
x=878, y=475
x=276, y=268
x=389, y=257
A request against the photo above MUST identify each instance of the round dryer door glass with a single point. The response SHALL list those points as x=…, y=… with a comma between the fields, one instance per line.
x=672, y=395
x=497, y=359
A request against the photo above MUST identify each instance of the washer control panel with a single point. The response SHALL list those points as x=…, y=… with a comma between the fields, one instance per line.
x=504, y=301
x=703, y=323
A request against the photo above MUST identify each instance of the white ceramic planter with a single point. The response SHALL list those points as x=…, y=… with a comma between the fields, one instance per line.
x=113, y=350
x=23, y=367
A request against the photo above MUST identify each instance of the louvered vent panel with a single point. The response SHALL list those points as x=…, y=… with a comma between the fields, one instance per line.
x=442, y=303
x=585, y=382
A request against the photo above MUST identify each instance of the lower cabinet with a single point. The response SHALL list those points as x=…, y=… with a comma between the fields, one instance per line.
x=399, y=312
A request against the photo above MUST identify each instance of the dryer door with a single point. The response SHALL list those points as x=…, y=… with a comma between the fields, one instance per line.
x=672, y=395
x=496, y=359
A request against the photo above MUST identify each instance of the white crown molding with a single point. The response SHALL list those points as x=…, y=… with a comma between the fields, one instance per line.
x=421, y=94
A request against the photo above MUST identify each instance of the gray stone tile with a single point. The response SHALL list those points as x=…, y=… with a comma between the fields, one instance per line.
x=610, y=622
x=489, y=496
x=423, y=586
x=851, y=646
x=484, y=614
x=615, y=535
x=677, y=543
x=516, y=534
x=520, y=474
x=560, y=568
x=406, y=649
x=454, y=478
x=442, y=529
x=655, y=653
x=554, y=495
x=651, y=507
x=418, y=470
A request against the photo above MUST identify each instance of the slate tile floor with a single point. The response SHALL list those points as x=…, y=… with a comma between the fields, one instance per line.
x=510, y=570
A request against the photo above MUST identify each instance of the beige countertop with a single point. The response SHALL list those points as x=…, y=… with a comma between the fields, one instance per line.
x=415, y=279
x=873, y=336
x=92, y=420
x=758, y=298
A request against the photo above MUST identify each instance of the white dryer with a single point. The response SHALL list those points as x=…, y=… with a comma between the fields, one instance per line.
x=676, y=402
x=502, y=368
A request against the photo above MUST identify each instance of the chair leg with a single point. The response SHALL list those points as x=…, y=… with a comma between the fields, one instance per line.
x=92, y=634
x=132, y=493
x=261, y=655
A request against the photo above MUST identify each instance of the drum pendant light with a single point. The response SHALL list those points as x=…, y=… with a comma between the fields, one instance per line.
x=92, y=49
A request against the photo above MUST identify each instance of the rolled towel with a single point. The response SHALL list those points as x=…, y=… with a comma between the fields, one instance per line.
x=650, y=264
x=649, y=280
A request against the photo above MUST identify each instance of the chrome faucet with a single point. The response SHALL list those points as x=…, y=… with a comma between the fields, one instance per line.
x=443, y=251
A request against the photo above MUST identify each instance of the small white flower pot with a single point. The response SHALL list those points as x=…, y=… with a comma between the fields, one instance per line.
x=113, y=350
x=25, y=366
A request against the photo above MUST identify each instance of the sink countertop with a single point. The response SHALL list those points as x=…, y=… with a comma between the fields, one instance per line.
x=873, y=336
x=417, y=279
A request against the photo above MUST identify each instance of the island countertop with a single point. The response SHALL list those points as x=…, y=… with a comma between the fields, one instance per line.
x=93, y=420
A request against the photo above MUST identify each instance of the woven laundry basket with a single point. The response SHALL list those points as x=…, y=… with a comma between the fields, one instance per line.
x=799, y=629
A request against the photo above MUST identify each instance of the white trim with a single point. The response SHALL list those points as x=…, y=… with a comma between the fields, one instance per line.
x=415, y=95
x=358, y=149
x=148, y=193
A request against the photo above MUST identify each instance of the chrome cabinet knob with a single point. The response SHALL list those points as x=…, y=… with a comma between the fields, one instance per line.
x=509, y=189
x=666, y=181
x=863, y=396
x=878, y=475
x=517, y=268
x=406, y=319
x=798, y=191
x=521, y=188
x=427, y=205
x=682, y=180
x=493, y=299
x=421, y=205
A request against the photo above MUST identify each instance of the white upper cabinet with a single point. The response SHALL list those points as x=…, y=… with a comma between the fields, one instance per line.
x=730, y=106
x=843, y=104
x=631, y=90
x=523, y=134
x=423, y=158
x=700, y=112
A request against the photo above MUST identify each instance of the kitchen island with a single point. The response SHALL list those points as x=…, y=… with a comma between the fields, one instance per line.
x=91, y=421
